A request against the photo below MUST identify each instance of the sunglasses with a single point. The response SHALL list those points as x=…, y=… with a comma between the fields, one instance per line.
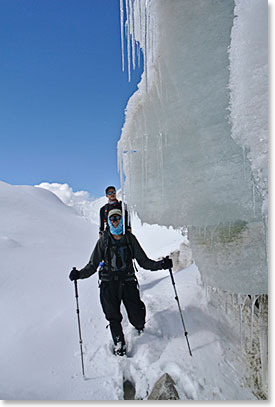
x=111, y=192
x=114, y=218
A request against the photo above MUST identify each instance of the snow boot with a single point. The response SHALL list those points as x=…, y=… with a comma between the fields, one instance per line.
x=140, y=330
x=119, y=347
x=120, y=350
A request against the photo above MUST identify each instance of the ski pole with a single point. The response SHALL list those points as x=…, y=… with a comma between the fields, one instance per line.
x=79, y=328
x=177, y=299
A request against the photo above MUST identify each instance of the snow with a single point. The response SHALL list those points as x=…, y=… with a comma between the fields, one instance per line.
x=41, y=239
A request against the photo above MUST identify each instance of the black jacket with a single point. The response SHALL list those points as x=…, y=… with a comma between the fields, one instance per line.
x=103, y=215
x=117, y=256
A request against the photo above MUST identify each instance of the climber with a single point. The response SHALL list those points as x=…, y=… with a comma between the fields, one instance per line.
x=114, y=253
x=112, y=203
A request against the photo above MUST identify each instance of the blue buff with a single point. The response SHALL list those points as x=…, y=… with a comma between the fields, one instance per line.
x=118, y=230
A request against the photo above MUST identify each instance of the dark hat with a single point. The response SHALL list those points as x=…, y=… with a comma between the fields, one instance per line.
x=110, y=187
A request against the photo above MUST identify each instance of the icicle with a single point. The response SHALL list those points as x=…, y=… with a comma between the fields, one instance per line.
x=138, y=54
x=149, y=35
x=153, y=38
x=226, y=304
x=265, y=222
x=205, y=233
x=142, y=29
x=145, y=56
x=127, y=25
x=213, y=235
x=142, y=171
x=253, y=198
x=252, y=319
x=146, y=161
x=140, y=32
x=161, y=163
x=122, y=32
x=244, y=159
x=132, y=30
x=240, y=304
x=263, y=325
x=232, y=298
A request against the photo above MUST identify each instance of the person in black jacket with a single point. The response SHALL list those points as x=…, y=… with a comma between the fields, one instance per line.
x=112, y=203
x=114, y=252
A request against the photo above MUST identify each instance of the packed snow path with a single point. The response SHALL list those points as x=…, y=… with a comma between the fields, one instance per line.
x=208, y=375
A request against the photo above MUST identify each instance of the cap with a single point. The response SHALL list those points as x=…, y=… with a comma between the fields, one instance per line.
x=109, y=187
x=115, y=212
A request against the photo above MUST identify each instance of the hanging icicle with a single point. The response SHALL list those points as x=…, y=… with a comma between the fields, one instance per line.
x=132, y=31
x=139, y=34
x=253, y=300
x=122, y=32
x=127, y=28
x=140, y=30
x=145, y=56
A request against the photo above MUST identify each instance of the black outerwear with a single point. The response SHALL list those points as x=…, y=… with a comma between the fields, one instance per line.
x=117, y=280
x=103, y=215
x=111, y=295
x=107, y=249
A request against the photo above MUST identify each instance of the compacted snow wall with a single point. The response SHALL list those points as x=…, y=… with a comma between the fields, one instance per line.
x=193, y=148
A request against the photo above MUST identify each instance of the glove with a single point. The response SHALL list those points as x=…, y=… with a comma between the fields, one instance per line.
x=74, y=274
x=166, y=263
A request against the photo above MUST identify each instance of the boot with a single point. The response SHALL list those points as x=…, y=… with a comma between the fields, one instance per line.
x=119, y=346
x=140, y=330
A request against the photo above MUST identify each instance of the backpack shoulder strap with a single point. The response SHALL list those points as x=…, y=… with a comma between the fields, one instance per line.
x=106, y=207
x=107, y=251
x=129, y=245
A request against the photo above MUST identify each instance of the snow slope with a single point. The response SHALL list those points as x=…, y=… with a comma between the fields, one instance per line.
x=40, y=240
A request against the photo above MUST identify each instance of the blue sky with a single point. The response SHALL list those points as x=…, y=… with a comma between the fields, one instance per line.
x=63, y=92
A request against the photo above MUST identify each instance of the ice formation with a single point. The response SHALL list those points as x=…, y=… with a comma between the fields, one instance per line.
x=193, y=148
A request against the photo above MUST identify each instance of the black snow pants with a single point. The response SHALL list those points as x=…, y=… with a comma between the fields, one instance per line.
x=111, y=295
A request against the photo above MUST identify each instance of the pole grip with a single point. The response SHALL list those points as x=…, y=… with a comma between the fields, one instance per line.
x=172, y=277
x=75, y=285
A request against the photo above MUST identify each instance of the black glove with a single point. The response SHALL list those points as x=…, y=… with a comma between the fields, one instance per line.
x=74, y=274
x=166, y=263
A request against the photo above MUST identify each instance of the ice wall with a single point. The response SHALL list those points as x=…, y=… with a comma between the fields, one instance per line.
x=188, y=152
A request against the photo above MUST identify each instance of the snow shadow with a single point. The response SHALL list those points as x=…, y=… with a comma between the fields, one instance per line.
x=152, y=284
x=170, y=325
x=198, y=320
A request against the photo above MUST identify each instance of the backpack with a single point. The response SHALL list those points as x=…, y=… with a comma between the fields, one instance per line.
x=107, y=273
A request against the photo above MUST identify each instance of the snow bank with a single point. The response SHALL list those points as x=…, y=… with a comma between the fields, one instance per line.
x=41, y=239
